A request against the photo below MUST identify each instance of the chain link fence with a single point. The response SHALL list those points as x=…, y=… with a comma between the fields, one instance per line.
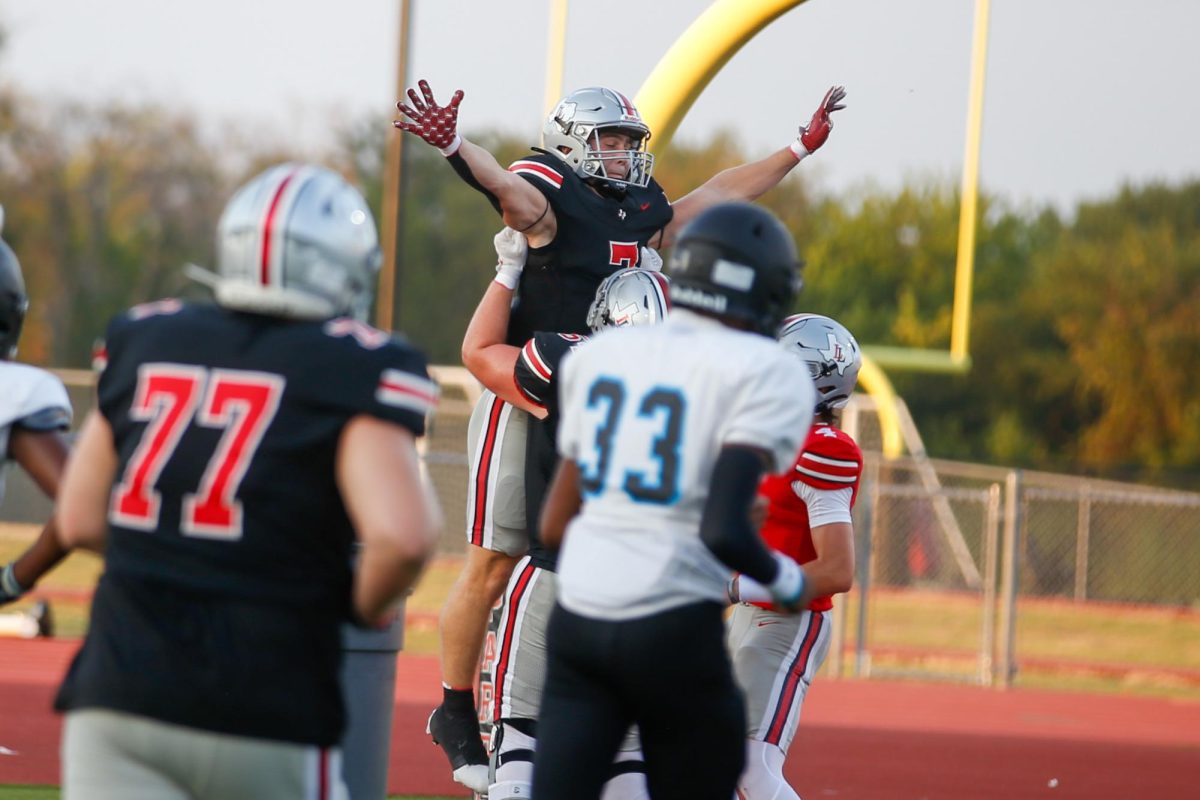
x=965, y=571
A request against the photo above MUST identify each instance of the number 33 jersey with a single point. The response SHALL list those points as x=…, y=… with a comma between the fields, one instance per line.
x=645, y=413
x=226, y=427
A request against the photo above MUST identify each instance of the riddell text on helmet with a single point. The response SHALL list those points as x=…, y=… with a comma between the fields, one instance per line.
x=697, y=298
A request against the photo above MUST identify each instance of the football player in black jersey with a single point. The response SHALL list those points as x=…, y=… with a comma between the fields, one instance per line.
x=588, y=204
x=237, y=452
x=34, y=414
x=527, y=377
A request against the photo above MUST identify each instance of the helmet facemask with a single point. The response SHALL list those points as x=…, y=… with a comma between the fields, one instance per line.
x=574, y=130
x=597, y=162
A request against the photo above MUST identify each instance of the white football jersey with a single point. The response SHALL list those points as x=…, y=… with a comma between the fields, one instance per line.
x=25, y=393
x=645, y=412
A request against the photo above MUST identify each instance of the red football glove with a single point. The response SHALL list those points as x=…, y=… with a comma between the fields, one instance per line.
x=437, y=125
x=816, y=132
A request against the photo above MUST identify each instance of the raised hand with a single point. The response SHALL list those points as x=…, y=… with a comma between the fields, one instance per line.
x=813, y=135
x=437, y=125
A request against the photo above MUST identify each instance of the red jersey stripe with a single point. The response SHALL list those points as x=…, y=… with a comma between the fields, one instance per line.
x=269, y=228
x=547, y=174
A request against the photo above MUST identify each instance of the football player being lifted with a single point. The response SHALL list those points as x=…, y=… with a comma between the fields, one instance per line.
x=34, y=414
x=527, y=377
x=776, y=654
x=588, y=204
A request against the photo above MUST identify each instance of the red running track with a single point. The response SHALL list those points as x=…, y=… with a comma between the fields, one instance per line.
x=858, y=739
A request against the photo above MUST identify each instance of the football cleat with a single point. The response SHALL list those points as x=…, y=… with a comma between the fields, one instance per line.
x=458, y=736
x=44, y=618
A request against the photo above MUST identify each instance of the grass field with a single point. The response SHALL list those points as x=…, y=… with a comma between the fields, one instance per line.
x=1060, y=644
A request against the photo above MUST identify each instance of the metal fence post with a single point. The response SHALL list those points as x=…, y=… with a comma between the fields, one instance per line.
x=987, y=637
x=1009, y=579
x=1082, y=542
x=862, y=658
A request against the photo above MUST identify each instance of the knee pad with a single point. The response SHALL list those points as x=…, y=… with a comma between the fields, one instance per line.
x=510, y=790
x=763, y=777
x=514, y=761
x=627, y=780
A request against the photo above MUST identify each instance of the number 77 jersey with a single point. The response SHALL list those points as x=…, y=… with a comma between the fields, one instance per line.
x=645, y=413
x=226, y=428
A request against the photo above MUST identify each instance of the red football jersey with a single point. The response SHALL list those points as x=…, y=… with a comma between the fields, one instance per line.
x=829, y=460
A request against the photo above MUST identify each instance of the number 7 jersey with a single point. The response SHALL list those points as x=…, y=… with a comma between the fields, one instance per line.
x=645, y=413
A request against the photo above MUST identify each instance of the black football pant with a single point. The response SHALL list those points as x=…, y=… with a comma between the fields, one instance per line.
x=670, y=674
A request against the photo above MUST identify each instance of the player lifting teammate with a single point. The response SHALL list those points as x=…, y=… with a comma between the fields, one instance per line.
x=666, y=431
x=527, y=377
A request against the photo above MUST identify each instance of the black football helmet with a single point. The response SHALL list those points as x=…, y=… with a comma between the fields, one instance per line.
x=738, y=262
x=13, y=301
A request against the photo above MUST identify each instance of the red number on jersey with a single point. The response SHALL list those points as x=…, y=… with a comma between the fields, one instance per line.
x=623, y=254
x=167, y=397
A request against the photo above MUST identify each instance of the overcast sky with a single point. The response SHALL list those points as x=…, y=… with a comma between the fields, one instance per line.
x=1081, y=95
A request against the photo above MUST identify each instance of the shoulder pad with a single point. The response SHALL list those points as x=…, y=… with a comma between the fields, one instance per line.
x=32, y=395
x=830, y=459
x=536, y=170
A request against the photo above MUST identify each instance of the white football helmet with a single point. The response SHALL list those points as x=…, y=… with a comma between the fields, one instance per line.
x=831, y=353
x=572, y=132
x=297, y=241
x=630, y=297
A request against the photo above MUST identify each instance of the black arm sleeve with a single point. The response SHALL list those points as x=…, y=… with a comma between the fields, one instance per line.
x=725, y=525
x=464, y=171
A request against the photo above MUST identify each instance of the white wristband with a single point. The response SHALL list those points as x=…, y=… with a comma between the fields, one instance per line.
x=789, y=582
x=451, y=148
x=798, y=149
x=507, y=277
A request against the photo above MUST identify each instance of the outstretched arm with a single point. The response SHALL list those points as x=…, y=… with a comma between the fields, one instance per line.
x=750, y=181
x=485, y=351
x=523, y=207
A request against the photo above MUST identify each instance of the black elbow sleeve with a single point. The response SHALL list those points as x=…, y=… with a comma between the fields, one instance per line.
x=725, y=525
x=459, y=164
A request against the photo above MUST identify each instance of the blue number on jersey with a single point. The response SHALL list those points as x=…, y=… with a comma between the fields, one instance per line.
x=659, y=402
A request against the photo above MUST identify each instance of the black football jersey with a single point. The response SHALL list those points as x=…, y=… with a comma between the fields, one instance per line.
x=228, y=563
x=537, y=367
x=597, y=235
x=536, y=376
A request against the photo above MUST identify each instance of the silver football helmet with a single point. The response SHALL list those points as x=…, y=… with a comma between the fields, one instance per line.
x=831, y=353
x=630, y=297
x=297, y=241
x=573, y=129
